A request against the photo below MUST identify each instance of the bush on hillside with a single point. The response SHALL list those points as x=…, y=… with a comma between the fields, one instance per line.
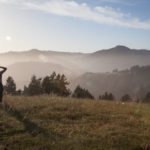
x=126, y=98
x=82, y=93
x=107, y=96
x=147, y=98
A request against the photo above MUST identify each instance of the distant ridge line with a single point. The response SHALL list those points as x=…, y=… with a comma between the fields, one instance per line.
x=118, y=47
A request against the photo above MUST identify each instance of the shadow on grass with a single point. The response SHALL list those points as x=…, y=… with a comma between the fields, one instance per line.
x=142, y=148
x=32, y=128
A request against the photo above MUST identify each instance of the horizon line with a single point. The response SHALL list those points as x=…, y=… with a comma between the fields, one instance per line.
x=45, y=50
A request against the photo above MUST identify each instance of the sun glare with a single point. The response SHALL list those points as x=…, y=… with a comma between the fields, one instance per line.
x=8, y=38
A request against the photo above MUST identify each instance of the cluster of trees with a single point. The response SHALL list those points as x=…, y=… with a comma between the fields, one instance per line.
x=107, y=96
x=110, y=96
x=53, y=84
x=57, y=84
x=82, y=93
x=126, y=98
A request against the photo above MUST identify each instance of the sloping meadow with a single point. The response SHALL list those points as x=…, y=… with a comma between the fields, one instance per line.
x=44, y=122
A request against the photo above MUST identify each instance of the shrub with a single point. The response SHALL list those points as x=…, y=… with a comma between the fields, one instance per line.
x=107, y=96
x=126, y=98
x=82, y=93
x=147, y=98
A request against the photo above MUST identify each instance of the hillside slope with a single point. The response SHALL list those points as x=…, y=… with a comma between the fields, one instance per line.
x=134, y=82
x=41, y=123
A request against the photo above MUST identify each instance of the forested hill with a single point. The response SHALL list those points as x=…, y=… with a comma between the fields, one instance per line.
x=135, y=82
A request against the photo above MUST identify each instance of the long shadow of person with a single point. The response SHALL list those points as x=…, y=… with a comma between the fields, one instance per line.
x=32, y=128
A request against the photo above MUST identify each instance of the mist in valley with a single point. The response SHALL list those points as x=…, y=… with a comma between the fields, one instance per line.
x=93, y=71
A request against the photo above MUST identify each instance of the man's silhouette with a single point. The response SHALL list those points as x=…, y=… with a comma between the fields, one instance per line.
x=1, y=85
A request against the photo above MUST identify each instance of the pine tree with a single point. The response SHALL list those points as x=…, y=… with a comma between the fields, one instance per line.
x=46, y=85
x=53, y=83
x=10, y=86
x=34, y=87
x=63, y=83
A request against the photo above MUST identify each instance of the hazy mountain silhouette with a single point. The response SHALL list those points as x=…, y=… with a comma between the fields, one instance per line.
x=134, y=81
x=119, y=57
x=22, y=65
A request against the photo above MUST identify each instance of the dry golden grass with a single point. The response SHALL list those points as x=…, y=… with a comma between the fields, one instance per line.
x=54, y=123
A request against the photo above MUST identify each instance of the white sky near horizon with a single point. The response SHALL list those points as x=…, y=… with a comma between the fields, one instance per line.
x=74, y=26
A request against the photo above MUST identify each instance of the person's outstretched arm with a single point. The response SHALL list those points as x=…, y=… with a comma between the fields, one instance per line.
x=4, y=69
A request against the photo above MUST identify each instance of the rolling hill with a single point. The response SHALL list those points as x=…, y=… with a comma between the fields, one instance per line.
x=22, y=65
x=134, y=81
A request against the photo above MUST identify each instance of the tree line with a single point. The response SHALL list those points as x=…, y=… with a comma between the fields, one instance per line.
x=57, y=84
x=54, y=84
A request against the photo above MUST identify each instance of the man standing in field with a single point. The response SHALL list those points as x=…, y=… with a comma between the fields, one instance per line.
x=1, y=85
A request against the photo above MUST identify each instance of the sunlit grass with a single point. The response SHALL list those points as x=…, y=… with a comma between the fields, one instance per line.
x=43, y=122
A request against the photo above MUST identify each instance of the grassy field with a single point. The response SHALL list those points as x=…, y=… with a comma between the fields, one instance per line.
x=53, y=123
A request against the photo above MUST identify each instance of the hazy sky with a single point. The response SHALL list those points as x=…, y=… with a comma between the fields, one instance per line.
x=74, y=25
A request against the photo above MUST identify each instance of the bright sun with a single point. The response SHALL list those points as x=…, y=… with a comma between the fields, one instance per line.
x=8, y=38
